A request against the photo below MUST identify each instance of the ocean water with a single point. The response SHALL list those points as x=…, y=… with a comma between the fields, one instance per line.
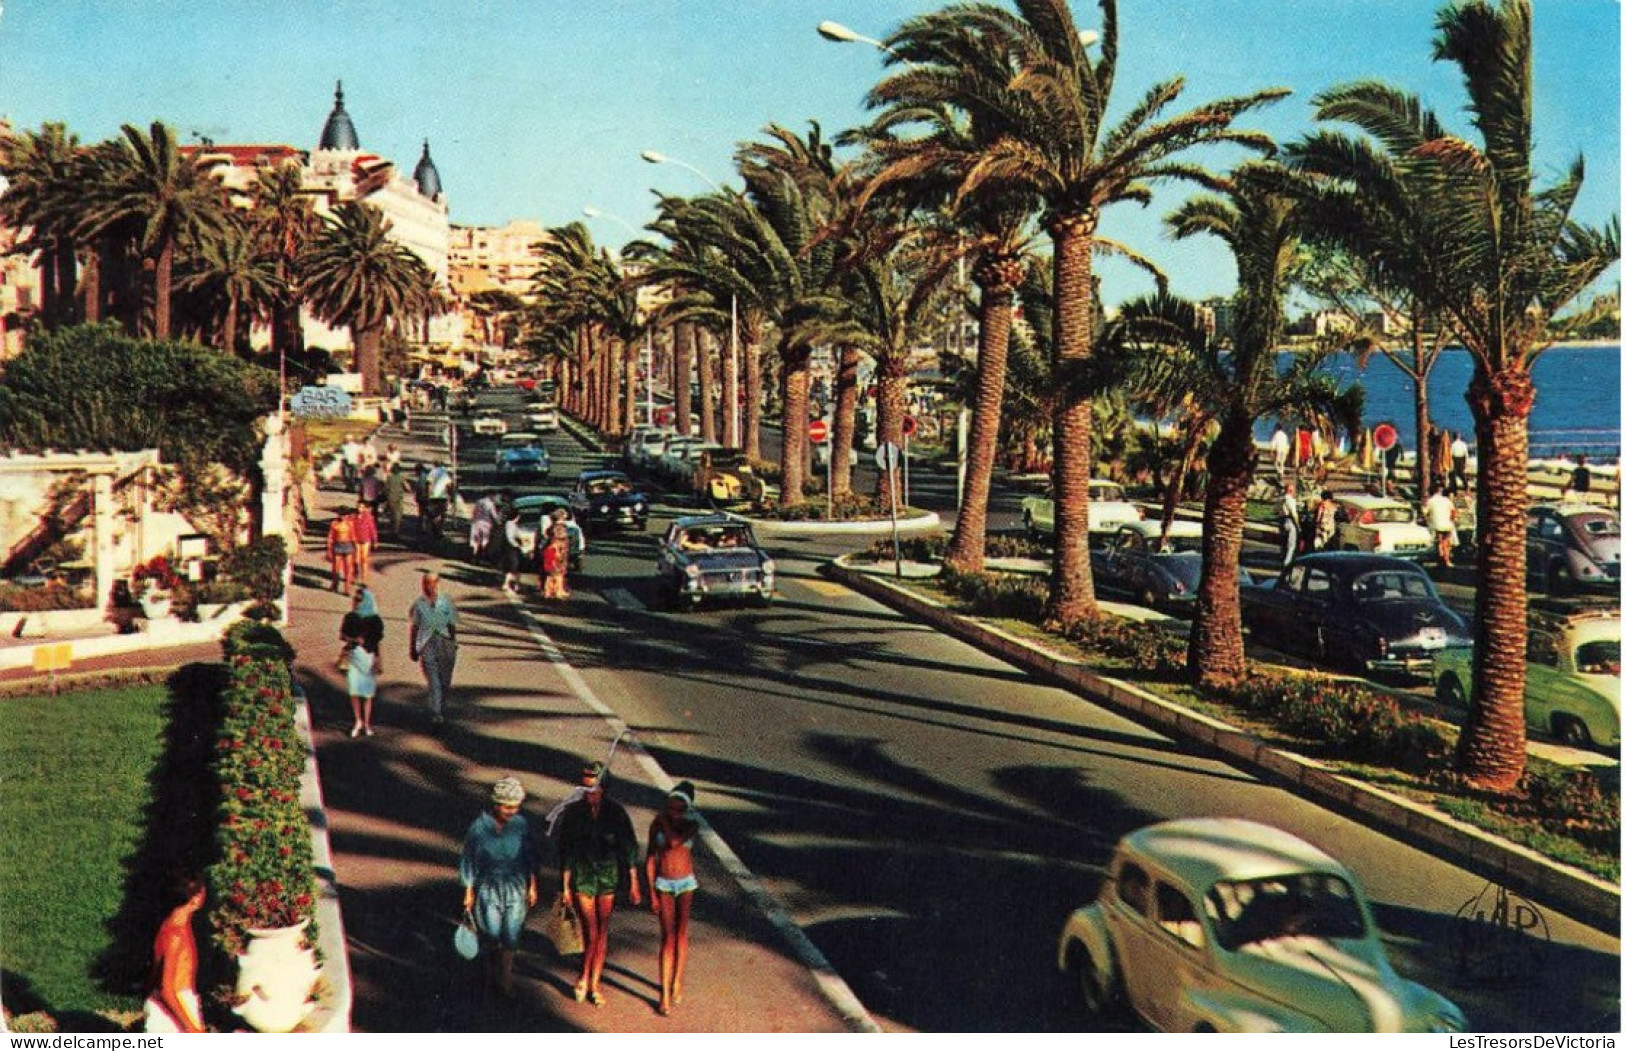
x=1577, y=398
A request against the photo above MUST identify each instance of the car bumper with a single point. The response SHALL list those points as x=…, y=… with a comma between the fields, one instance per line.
x=626, y=517
x=744, y=583
x=1420, y=664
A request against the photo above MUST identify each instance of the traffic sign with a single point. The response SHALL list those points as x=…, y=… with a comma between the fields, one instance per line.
x=910, y=425
x=1384, y=436
x=817, y=432
x=887, y=456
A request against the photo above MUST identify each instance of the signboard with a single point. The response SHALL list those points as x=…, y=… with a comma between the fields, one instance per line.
x=818, y=432
x=910, y=425
x=887, y=457
x=1384, y=436
x=317, y=402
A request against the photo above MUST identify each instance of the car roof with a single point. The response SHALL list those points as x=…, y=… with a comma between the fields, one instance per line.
x=1358, y=561
x=529, y=500
x=1152, y=530
x=1366, y=500
x=587, y=476
x=690, y=521
x=1207, y=850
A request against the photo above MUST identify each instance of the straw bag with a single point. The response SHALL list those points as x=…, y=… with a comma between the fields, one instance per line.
x=563, y=927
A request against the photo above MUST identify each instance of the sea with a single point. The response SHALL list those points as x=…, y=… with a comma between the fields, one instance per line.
x=1577, y=398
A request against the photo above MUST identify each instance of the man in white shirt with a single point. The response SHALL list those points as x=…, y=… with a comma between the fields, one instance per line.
x=1440, y=515
x=1290, y=524
x=1458, y=465
x=350, y=456
x=1280, y=448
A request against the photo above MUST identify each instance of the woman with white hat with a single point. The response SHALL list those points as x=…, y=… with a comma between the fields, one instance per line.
x=498, y=871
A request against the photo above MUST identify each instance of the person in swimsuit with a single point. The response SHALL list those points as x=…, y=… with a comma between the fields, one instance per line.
x=172, y=1006
x=670, y=869
x=596, y=843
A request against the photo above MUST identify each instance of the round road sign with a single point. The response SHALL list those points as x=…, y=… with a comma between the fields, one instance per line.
x=887, y=456
x=817, y=432
x=1384, y=436
x=910, y=425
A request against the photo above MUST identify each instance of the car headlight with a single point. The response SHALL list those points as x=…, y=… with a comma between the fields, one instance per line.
x=603, y=509
x=692, y=571
x=768, y=567
x=638, y=506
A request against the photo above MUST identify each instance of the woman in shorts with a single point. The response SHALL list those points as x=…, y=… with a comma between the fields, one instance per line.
x=670, y=870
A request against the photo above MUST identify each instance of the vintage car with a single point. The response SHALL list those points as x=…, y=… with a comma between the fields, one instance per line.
x=1163, y=574
x=521, y=455
x=1381, y=526
x=1362, y=613
x=671, y=454
x=687, y=463
x=725, y=478
x=704, y=557
x=542, y=416
x=489, y=422
x=1230, y=926
x=535, y=512
x=1574, y=546
x=1571, y=689
x=1109, y=507
x=608, y=499
x=645, y=445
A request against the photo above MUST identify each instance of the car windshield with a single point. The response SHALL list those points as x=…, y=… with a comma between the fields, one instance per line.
x=1387, y=585
x=1310, y=904
x=1177, y=545
x=1597, y=657
x=1106, y=491
x=608, y=486
x=1597, y=525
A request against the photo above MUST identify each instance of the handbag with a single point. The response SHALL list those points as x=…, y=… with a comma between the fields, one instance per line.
x=465, y=940
x=563, y=927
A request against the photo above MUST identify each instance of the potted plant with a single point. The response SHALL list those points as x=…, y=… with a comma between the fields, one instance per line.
x=153, y=583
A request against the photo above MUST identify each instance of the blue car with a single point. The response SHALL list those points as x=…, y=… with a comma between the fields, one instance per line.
x=523, y=455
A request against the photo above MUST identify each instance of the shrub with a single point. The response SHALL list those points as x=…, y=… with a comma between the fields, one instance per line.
x=265, y=874
x=914, y=548
x=158, y=571
x=16, y=599
x=258, y=566
x=189, y=596
x=1143, y=646
x=1570, y=801
x=1010, y=595
x=250, y=638
x=848, y=507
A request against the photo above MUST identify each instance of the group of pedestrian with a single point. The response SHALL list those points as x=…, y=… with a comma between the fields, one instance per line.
x=597, y=855
x=1323, y=519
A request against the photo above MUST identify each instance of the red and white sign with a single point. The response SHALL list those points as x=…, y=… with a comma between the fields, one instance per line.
x=1384, y=436
x=817, y=432
x=910, y=425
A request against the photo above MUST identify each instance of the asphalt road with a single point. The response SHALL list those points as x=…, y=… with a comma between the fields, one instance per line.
x=929, y=816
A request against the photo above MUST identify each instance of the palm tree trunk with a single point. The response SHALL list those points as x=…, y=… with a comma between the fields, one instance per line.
x=617, y=385
x=997, y=280
x=730, y=393
x=704, y=357
x=90, y=287
x=846, y=422
x=1072, y=584
x=1216, y=653
x=367, y=358
x=793, y=448
x=682, y=373
x=162, y=279
x=1492, y=748
x=891, y=379
x=751, y=350
x=229, y=340
x=1424, y=448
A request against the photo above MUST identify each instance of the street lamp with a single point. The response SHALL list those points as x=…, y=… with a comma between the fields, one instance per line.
x=842, y=35
x=732, y=414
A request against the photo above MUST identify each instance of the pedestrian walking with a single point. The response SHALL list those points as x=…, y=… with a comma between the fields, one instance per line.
x=555, y=558
x=1325, y=521
x=366, y=538
x=498, y=871
x=172, y=1004
x=482, y=521
x=341, y=549
x=508, y=559
x=395, y=499
x=432, y=642
x=370, y=489
x=1290, y=524
x=596, y=848
x=670, y=873
x=1458, y=465
x=1440, y=514
x=350, y=462
x=362, y=629
x=1281, y=450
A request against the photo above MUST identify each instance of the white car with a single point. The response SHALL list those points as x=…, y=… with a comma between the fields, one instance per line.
x=1380, y=526
x=671, y=454
x=643, y=442
x=489, y=422
x=1230, y=926
x=542, y=416
x=689, y=460
x=1109, y=509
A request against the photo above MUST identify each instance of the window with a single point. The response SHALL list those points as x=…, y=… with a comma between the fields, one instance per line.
x=1542, y=649
x=1133, y=886
x=1317, y=583
x=1176, y=916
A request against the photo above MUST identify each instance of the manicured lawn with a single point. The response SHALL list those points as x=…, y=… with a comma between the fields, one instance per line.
x=74, y=791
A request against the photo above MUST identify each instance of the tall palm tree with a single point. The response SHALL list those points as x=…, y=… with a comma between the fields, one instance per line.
x=1501, y=258
x=232, y=270
x=354, y=274
x=1032, y=76
x=284, y=221
x=44, y=171
x=171, y=196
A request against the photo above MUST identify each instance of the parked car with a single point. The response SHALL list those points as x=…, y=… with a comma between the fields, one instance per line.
x=1109, y=507
x=542, y=416
x=522, y=455
x=608, y=499
x=489, y=422
x=1227, y=925
x=688, y=461
x=1574, y=546
x=1380, y=525
x=1571, y=689
x=1359, y=612
x=536, y=511
x=1163, y=574
x=672, y=454
x=704, y=557
x=645, y=446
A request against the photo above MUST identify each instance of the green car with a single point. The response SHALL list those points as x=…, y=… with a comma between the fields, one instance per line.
x=1572, y=690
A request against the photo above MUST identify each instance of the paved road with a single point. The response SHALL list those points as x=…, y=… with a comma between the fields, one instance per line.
x=927, y=815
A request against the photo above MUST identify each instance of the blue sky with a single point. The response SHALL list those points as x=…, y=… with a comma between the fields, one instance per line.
x=537, y=108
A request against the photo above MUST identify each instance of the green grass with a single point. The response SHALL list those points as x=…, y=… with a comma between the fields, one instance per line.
x=74, y=792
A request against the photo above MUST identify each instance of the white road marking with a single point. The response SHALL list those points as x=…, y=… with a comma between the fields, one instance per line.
x=831, y=984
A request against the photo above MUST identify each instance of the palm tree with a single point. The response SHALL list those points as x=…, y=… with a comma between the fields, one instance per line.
x=284, y=221
x=1031, y=76
x=44, y=170
x=354, y=274
x=1501, y=258
x=172, y=197
x=231, y=269
x=1235, y=387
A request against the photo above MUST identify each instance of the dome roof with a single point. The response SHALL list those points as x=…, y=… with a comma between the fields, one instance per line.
x=426, y=175
x=338, y=133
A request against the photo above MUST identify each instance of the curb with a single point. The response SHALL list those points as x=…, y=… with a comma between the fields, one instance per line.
x=1587, y=898
x=774, y=527
x=332, y=1013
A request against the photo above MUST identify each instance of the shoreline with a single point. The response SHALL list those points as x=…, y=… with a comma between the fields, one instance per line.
x=1567, y=344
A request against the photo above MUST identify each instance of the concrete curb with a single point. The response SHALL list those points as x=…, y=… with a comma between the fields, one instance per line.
x=1587, y=898
x=581, y=432
x=336, y=995
x=774, y=527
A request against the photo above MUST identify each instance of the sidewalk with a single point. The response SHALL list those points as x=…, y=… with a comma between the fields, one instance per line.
x=399, y=803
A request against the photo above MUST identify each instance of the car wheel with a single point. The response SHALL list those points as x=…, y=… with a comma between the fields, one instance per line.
x=1097, y=998
x=764, y=600
x=1559, y=581
x=1450, y=694
x=1571, y=731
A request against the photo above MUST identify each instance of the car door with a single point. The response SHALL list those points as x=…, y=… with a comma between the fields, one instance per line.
x=1177, y=949
x=1128, y=923
x=1114, y=560
x=1543, y=687
x=1312, y=626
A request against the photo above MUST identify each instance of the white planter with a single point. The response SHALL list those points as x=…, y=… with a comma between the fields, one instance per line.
x=275, y=979
x=154, y=606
